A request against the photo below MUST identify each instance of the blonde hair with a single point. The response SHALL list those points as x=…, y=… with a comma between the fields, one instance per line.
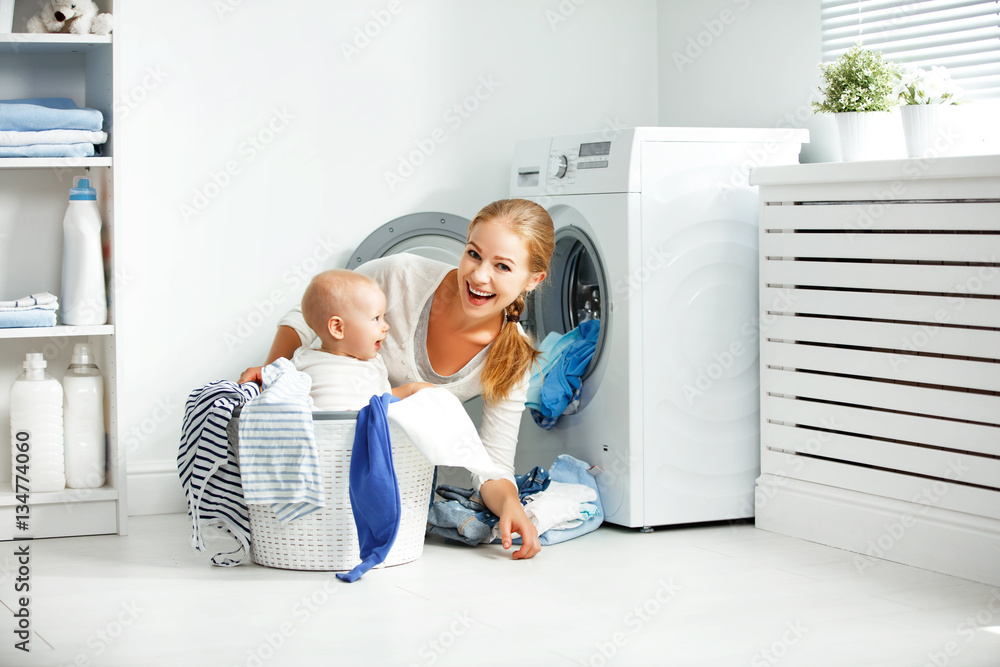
x=512, y=354
x=331, y=293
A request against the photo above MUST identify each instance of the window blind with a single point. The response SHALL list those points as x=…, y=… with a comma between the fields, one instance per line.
x=961, y=35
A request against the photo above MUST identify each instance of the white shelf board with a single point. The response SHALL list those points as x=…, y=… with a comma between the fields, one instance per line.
x=58, y=330
x=53, y=162
x=26, y=42
x=8, y=498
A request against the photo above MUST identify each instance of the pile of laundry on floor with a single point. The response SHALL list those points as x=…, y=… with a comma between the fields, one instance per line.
x=35, y=310
x=49, y=127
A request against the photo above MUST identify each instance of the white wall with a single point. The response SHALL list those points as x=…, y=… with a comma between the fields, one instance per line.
x=253, y=144
x=743, y=63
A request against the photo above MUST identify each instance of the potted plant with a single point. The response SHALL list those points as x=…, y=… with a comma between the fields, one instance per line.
x=859, y=83
x=922, y=94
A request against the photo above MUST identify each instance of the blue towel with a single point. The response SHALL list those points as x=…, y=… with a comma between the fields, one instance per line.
x=48, y=150
x=563, y=380
x=374, y=489
x=279, y=461
x=48, y=113
x=27, y=317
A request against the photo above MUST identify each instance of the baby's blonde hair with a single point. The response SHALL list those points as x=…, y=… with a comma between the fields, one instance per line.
x=332, y=293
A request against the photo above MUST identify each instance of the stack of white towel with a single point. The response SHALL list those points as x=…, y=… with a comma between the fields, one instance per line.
x=49, y=127
x=36, y=310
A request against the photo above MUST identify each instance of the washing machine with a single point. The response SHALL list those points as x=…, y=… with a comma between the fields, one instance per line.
x=656, y=237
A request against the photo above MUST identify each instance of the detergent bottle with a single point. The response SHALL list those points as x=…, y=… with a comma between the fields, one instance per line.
x=83, y=412
x=36, y=429
x=83, y=300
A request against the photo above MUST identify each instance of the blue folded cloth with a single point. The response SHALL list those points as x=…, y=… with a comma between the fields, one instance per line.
x=49, y=150
x=48, y=113
x=27, y=317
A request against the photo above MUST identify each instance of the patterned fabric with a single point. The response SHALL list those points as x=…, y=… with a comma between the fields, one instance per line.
x=279, y=461
x=209, y=469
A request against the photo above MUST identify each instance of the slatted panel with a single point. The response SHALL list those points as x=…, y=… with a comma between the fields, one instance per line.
x=880, y=354
x=919, y=429
x=953, y=309
x=940, y=279
x=907, y=337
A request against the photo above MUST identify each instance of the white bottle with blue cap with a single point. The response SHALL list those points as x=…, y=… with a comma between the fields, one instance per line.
x=83, y=300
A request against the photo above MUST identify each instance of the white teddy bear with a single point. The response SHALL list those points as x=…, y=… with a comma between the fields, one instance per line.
x=78, y=17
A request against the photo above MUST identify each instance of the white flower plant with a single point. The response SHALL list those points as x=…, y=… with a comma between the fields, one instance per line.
x=917, y=86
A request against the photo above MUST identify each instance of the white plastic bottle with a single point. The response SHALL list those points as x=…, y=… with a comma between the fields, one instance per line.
x=83, y=386
x=83, y=300
x=36, y=428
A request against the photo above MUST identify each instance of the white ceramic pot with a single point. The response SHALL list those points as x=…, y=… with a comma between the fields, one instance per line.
x=920, y=127
x=861, y=134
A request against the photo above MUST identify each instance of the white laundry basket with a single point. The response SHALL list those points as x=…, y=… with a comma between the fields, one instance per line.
x=327, y=539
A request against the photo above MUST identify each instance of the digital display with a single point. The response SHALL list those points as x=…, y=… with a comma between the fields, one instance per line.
x=596, y=148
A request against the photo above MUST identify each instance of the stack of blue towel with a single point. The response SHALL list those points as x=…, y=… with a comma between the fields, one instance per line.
x=49, y=127
x=37, y=310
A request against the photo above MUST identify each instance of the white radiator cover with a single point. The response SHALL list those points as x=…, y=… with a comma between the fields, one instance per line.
x=880, y=360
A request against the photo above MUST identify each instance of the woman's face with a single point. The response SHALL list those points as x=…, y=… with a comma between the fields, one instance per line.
x=493, y=271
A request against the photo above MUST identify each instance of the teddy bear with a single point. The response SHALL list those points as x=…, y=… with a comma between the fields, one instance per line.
x=78, y=17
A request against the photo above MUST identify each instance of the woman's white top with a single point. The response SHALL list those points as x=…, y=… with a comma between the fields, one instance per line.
x=339, y=382
x=409, y=282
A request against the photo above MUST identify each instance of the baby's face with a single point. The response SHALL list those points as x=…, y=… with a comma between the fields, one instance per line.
x=364, y=325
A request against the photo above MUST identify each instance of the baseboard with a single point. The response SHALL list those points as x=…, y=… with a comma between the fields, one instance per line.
x=155, y=488
x=876, y=528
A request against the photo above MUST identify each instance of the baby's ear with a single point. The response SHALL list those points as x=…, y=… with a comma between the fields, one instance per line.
x=336, y=327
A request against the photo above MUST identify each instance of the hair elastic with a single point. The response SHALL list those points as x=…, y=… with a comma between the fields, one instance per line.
x=513, y=318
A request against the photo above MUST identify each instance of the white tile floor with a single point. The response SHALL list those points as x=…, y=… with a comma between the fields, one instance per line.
x=710, y=595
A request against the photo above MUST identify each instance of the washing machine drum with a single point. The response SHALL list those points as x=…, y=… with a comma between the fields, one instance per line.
x=577, y=291
x=439, y=236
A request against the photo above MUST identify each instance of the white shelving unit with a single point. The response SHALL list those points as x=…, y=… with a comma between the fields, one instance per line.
x=880, y=360
x=33, y=198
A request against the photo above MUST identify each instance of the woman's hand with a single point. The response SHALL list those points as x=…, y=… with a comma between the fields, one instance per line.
x=252, y=374
x=514, y=520
x=501, y=497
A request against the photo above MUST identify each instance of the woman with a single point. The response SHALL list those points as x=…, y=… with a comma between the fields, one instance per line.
x=458, y=328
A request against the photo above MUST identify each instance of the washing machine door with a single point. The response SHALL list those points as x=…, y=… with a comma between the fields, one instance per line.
x=439, y=236
x=577, y=285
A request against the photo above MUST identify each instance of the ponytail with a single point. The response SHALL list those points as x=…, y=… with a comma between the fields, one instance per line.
x=512, y=353
x=511, y=356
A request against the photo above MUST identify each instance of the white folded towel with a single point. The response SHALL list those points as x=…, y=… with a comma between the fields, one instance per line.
x=40, y=301
x=15, y=138
x=437, y=425
x=558, y=506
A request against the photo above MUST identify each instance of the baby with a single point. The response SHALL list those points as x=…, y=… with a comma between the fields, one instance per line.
x=347, y=311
